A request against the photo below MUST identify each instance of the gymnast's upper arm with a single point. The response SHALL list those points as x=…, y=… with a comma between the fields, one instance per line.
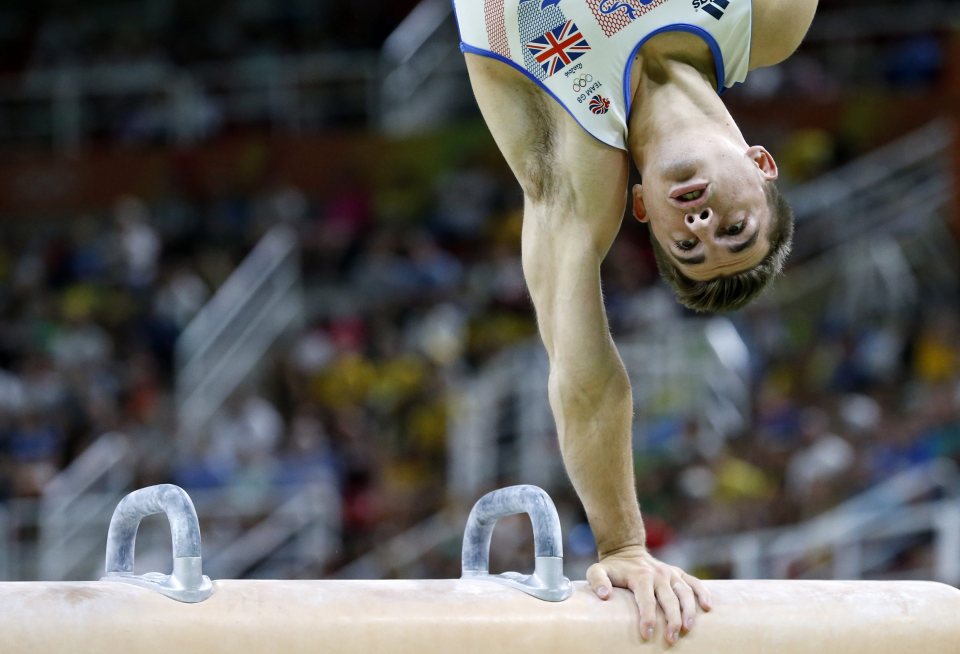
x=574, y=197
x=565, y=172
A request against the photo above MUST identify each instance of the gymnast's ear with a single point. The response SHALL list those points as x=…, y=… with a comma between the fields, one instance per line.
x=639, y=210
x=764, y=161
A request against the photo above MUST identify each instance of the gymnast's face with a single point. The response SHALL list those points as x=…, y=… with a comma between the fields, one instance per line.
x=706, y=206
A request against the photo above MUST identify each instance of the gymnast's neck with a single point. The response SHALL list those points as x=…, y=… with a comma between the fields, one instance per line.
x=674, y=91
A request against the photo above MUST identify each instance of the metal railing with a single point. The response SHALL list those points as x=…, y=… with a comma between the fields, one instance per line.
x=872, y=191
x=872, y=235
x=852, y=540
x=228, y=338
x=397, y=555
x=285, y=533
x=75, y=503
x=503, y=426
x=62, y=106
x=299, y=535
x=422, y=74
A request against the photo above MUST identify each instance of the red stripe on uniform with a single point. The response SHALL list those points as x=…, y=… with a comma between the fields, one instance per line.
x=496, y=27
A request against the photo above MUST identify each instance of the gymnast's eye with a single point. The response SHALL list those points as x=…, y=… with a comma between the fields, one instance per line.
x=687, y=244
x=733, y=230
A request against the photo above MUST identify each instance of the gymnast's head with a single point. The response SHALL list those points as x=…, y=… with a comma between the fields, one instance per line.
x=721, y=231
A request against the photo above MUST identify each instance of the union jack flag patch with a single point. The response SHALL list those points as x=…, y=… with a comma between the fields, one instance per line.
x=558, y=47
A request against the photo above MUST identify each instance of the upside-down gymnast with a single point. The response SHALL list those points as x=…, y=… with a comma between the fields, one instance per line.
x=571, y=90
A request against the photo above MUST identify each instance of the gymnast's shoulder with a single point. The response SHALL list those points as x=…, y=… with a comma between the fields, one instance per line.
x=778, y=28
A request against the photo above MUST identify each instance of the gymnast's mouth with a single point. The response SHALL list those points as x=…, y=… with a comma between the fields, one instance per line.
x=690, y=195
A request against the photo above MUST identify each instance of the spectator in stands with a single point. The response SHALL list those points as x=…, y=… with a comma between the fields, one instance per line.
x=139, y=244
x=824, y=459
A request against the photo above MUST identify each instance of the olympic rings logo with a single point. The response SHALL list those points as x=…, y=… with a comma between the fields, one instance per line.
x=582, y=82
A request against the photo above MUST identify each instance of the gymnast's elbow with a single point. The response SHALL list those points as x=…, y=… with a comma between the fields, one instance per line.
x=585, y=390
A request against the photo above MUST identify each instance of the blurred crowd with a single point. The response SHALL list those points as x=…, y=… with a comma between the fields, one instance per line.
x=837, y=409
x=426, y=288
x=91, y=307
x=87, y=33
x=169, y=71
x=413, y=284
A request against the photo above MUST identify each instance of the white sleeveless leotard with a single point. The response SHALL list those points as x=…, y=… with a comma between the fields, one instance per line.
x=580, y=51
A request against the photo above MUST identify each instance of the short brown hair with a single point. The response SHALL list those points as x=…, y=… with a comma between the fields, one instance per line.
x=731, y=292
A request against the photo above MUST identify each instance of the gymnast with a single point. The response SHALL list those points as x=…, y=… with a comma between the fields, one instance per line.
x=571, y=90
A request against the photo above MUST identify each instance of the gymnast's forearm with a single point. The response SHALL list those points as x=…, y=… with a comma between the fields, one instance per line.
x=594, y=419
x=588, y=386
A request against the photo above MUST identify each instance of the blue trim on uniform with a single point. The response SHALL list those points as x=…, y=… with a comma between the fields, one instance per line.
x=493, y=55
x=676, y=27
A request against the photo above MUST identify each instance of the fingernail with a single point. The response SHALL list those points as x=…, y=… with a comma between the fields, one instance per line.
x=674, y=636
x=649, y=632
x=690, y=623
x=603, y=592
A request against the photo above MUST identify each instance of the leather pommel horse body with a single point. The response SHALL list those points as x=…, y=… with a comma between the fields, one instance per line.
x=467, y=616
x=124, y=614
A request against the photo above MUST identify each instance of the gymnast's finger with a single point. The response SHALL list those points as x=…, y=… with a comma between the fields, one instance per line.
x=688, y=603
x=599, y=581
x=700, y=589
x=647, y=603
x=667, y=597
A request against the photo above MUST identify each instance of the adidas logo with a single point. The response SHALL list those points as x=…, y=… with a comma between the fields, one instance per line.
x=713, y=7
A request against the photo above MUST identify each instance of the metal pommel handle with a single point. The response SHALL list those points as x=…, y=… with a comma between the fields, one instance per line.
x=547, y=581
x=187, y=583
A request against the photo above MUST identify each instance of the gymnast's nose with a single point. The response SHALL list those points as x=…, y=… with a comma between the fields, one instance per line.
x=700, y=221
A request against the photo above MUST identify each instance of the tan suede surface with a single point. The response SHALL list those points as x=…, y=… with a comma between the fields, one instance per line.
x=472, y=617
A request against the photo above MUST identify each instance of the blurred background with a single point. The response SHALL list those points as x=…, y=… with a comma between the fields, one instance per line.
x=267, y=250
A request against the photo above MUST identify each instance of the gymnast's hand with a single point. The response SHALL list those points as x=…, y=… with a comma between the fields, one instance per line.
x=651, y=581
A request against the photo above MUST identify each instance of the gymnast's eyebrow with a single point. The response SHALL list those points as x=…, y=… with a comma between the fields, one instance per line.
x=739, y=247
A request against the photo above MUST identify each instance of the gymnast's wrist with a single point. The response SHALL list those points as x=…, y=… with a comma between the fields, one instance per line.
x=628, y=547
